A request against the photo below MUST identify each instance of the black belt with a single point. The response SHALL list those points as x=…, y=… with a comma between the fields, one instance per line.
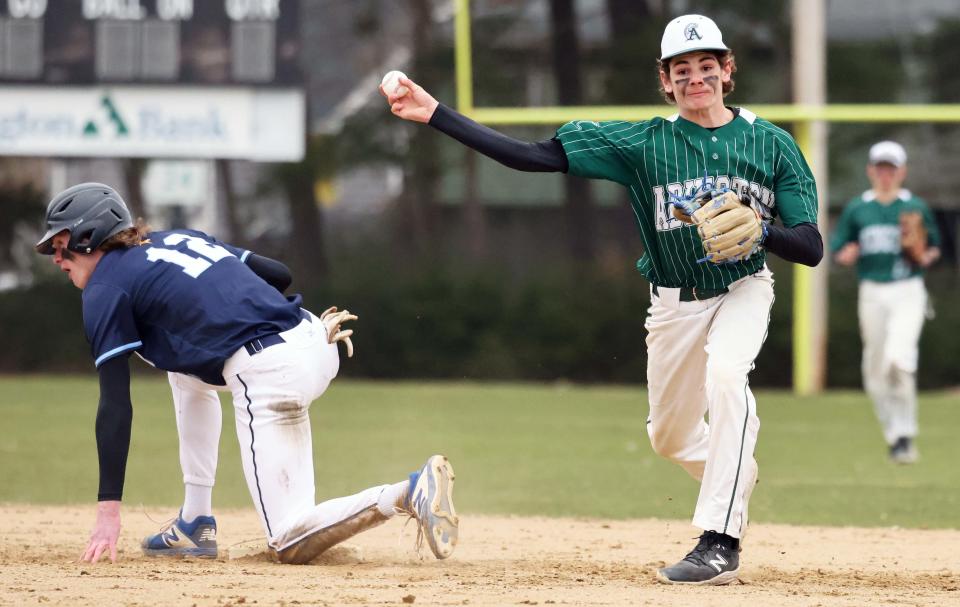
x=258, y=345
x=695, y=294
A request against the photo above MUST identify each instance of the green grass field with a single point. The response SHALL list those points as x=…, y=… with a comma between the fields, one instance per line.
x=527, y=449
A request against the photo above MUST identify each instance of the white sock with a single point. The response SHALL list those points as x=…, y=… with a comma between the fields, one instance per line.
x=197, y=501
x=392, y=497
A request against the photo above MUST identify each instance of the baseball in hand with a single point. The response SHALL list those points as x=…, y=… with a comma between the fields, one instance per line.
x=391, y=84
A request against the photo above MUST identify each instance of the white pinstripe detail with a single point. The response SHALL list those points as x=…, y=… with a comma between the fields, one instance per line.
x=724, y=270
x=756, y=165
x=676, y=163
x=664, y=258
x=643, y=188
x=605, y=136
x=695, y=241
x=726, y=150
x=763, y=153
x=736, y=167
x=675, y=257
x=804, y=183
x=603, y=147
x=648, y=250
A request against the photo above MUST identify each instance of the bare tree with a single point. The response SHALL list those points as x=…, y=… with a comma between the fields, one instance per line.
x=633, y=29
x=474, y=213
x=307, y=254
x=417, y=201
x=133, y=170
x=578, y=203
x=234, y=232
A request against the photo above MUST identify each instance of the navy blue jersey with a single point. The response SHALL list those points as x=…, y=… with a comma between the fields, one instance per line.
x=183, y=301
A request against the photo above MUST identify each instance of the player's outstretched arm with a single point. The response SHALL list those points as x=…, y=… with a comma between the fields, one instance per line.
x=114, y=419
x=416, y=104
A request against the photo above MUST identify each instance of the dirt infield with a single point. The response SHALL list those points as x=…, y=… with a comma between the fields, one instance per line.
x=500, y=561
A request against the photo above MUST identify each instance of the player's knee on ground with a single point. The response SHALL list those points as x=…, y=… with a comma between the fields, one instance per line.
x=310, y=545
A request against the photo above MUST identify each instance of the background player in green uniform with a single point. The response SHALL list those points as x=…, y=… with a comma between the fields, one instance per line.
x=892, y=299
x=706, y=322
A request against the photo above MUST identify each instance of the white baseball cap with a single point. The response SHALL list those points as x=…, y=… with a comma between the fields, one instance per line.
x=889, y=152
x=690, y=33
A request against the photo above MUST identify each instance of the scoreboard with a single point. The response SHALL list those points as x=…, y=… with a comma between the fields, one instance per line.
x=170, y=42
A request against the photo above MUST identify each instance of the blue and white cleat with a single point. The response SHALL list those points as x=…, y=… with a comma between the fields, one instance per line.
x=430, y=502
x=182, y=539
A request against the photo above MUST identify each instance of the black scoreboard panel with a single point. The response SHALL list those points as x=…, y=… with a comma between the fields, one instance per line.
x=201, y=42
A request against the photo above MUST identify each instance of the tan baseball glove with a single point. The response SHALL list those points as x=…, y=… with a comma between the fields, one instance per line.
x=332, y=319
x=913, y=236
x=730, y=229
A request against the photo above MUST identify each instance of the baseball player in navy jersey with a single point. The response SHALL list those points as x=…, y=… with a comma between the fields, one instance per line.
x=711, y=292
x=892, y=300
x=214, y=317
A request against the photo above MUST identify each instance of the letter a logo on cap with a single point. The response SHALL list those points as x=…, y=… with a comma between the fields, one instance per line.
x=690, y=33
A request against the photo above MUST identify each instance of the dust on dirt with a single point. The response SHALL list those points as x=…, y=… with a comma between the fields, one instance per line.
x=500, y=561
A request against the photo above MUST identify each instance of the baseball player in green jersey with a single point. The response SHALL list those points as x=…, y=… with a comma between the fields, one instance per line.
x=892, y=300
x=710, y=305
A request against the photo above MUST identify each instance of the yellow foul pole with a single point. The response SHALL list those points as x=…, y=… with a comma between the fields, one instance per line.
x=810, y=284
x=462, y=56
x=808, y=373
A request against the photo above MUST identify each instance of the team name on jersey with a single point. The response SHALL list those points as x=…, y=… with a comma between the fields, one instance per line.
x=880, y=239
x=762, y=198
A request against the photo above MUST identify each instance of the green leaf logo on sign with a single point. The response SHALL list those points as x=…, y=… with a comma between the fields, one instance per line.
x=90, y=129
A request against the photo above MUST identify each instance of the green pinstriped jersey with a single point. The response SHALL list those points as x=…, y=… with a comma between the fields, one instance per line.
x=876, y=228
x=661, y=157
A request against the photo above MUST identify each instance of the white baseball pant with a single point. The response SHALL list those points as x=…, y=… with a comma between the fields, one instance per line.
x=199, y=422
x=699, y=355
x=272, y=392
x=891, y=318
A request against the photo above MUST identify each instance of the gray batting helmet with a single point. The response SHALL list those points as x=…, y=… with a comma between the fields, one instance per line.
x=91, y=212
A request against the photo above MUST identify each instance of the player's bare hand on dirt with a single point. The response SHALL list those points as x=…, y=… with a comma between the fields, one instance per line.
x=105, y=533
x=416, y=105
x=332, y=320
x=848, y=255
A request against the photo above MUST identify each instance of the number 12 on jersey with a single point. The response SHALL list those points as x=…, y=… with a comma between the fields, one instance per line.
x=192, y=265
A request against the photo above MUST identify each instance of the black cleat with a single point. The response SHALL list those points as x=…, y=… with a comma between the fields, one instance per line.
x=714, y=562
x=903, y=451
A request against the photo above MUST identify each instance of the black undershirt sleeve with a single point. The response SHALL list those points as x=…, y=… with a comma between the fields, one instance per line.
x=114, y=418
x=539, y=157
x=800, y=244
x=276, y=274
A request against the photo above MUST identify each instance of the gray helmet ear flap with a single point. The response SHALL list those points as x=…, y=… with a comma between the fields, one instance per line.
x=91, y=212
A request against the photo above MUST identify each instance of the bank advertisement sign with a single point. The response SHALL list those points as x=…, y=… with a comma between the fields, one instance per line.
x=153, y=122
